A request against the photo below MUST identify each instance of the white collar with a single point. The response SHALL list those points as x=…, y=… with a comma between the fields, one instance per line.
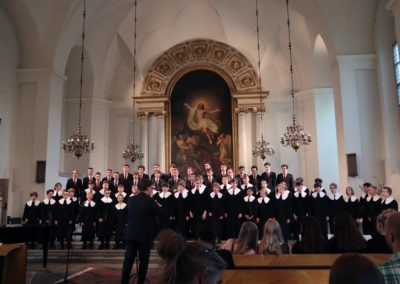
x=106, y=199
x=132, y=195
x=266, y=199
x=164, y=194
x=243, y=186
x=184, y=193
x=120, y=193
x=46, y=201
x=101, y=191
x=228, y=186
x=120, y=206
x=249, y=199
x=303, y=194
x=374, y=199
x=352, y=198
x=86, y=203
x=62, y=200
x=388, y=200
x=321, y=194
x=58, y=193
x=364, y=195
x=29, y=203
x=284, y=195
x=236, y=192
x=219, y=194
x=201, y=189
x=74, y=199
x=335, y=196
x=88, y=190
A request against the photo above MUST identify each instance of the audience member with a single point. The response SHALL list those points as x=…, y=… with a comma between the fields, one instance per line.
x=272, y=241
x=378, y=244
x=312, y=240
x=247, y=242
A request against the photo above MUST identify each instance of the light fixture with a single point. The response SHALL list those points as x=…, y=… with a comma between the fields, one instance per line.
x=133, y=151
x=79, y=143
x=262, y=148
x=295, y=136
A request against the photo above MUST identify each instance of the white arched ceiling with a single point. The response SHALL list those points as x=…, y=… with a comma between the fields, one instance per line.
x=321, y=65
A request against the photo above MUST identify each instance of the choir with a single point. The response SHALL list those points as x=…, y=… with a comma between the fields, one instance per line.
x=99, y=204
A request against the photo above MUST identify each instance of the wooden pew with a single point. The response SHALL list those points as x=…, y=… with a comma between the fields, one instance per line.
x=296, y=261
x=293, y=276
x=12, y=263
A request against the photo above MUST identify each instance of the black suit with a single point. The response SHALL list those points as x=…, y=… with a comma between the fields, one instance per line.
x=288, y=180
x=75, y=185
x=270, y=179
x=256, y=182
x=142, y=211
x=127, y=182
x=144, y=177
x=86, y=181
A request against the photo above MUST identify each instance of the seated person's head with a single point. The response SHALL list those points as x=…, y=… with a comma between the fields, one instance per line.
x=187, y=262
x=355, y=269
x=382, y=218
x=392, y=229
x=272, y=238
x=247, y=241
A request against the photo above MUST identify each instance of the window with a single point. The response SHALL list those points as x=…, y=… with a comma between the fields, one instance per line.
x=396, y=59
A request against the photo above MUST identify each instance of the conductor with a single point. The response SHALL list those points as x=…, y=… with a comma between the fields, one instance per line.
x=142, y=211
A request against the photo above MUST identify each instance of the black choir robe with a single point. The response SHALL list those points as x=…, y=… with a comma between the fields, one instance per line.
x=198, y=205
x=224, y=188
x=300, y=208
x=48, y=211
x=58, y=195
x=120, y=221
x=265, y=211
x=96, y=195
x=244, y=188
x=233, y=209
x=173, y=183
x=270, y=179
x=64, y=216
x=87, y=217
x=320, y=210
x=105, y=211
x=32, y=212
x=249, y=208
x=115, y=196
x=373, y=207
x=352, y=206
x=166, y=200
x=389, y=203
x=336, y=204
x=283, y=212
x=289, y=180
x=216, y=212
x=77, y=185
x=363, y=202
x=182, y=211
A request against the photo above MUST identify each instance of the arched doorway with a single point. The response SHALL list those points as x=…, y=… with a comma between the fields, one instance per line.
x=201, y=121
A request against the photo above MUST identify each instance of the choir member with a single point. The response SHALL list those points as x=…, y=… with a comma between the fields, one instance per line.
x=286, y=178
x=64, y=219
x=108, y=176
x=58, y=192
x=166, y=199
x=320, y=181
x=105, y=187
x=96, y=195
x=75, y=202
x=303, y=187
x=300, y=206
x=142, y=175
x=207, y=167
x=190, y=177
x=182, y=210
x=134, y=190
x=336, y=204
x=156, y=168
x=372, y=209
x=249, y=206
x=283, y=209
x=229, y=174
x=126, y=178
x=265, y=209
x=48, y=210
x=319, y=207
x=245, y=184
x=87, y=219
x=255, y=179
x=89, y=177
x=157, y=180
x=174, y=180
x=120, y=191
x=120, y=221
x=268, y=192
x=198, y=206
x=216, y=210
x=116, y=181
x=105, y=212
x=363, y=201
x=32, y=214
x=233, y=213
x=209, y=179
x=388, y=202
x=352, y=205
x=75, y=182
x=240, y=175
x=98, y=184
x=225, y=185
x=269, y=176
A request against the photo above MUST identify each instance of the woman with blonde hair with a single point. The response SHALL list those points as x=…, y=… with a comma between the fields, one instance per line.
x=247, y=242
x=272, y=241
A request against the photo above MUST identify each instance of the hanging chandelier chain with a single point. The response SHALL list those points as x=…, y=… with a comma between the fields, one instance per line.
x=290, y=57
x=82, y=59
x=259, y=61
x=134, y=68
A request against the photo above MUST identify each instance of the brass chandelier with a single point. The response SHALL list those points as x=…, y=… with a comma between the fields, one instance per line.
x=295, y=135
x=79, y=143
x=133, y=151
x=262, y=148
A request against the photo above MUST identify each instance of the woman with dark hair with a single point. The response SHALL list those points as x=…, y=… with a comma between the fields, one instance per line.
x=187, y=262
x=311, y=240
x=355, y=269
x=247, y=242
x=347, y=236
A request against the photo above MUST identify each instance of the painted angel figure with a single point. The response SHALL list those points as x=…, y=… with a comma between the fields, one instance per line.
x=197, y=120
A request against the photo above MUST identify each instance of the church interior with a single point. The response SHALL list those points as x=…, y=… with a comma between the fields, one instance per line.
x=192, y=81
